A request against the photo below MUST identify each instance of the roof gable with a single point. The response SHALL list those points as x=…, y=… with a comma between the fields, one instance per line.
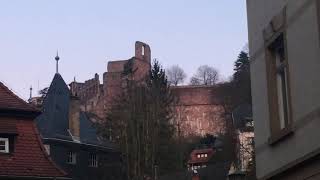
x=10, y=101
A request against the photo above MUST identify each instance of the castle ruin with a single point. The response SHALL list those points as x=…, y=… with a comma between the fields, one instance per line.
x=197, y=113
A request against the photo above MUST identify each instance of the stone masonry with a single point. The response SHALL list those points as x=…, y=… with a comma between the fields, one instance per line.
x=197, y=113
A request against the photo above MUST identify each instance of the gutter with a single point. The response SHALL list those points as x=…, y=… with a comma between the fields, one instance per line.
x=80, y=143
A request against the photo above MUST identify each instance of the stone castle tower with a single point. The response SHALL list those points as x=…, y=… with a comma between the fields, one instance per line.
x=198, y=112
x=96, y=97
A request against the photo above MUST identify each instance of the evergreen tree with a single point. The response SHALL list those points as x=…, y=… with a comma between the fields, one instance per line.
x=241, y=78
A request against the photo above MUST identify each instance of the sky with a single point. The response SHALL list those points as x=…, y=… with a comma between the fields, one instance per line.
x=89, y=33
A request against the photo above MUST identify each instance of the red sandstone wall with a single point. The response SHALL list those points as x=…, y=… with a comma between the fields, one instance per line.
x=116, y=66
x=198, y=111
x=200, y=120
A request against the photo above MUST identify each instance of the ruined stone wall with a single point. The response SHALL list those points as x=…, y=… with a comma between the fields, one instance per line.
x=86, y=90
x=198, y=111
x=89, y=93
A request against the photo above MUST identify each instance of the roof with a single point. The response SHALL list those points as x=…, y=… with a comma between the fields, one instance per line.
x=10, y=101
x=88, y=132
x=28, y=159
x=194, y=159
x=54, y=119
x=53, y=123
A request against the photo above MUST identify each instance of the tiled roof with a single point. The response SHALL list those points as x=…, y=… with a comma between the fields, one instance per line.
x=195, y=159
x=28, y=157
x=10, y=101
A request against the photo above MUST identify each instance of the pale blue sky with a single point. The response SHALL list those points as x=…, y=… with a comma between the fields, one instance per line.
x=89, y=33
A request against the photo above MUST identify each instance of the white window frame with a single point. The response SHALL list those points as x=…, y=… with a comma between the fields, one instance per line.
x=72, y=157
x=47, y=148
x=6, y=145
x=282, y=91
x=93, y=160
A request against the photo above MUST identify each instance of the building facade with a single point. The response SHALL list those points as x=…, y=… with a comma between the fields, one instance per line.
x=284, y=44
x=70, y=136
x=22, y=154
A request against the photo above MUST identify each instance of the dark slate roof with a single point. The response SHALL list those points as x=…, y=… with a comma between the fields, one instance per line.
x=54, y=121
x=88, y=132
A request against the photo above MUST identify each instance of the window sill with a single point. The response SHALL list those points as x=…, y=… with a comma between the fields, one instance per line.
x=5, y=153
x=281, y=135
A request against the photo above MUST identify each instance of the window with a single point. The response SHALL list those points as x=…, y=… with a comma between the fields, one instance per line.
x=202, y=155
x=282, y=89
x=72, y=157
x=93, y=160
x=278, y=87
x=205, y=155
x=4, y=145
x=198, y=156
x=142, y=50
x=47, y=148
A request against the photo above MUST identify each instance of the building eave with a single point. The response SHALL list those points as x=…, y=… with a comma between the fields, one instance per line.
x=79, y=143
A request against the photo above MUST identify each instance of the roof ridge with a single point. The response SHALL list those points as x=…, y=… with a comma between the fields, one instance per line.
x=10, y=93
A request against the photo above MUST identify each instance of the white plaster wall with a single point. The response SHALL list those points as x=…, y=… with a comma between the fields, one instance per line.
x=304, y=66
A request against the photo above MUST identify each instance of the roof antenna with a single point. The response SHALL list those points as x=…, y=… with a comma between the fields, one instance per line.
x=30, y=92
x=57, y=58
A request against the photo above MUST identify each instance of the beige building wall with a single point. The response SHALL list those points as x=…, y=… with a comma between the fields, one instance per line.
x=303, y=52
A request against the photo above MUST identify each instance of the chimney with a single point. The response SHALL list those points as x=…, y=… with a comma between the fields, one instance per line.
x=74, y=117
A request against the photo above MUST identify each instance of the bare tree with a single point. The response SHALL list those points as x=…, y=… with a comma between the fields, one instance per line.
x=176, y=75
x=205, y=75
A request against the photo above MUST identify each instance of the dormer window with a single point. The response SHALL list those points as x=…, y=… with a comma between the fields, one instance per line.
x=4, y=145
